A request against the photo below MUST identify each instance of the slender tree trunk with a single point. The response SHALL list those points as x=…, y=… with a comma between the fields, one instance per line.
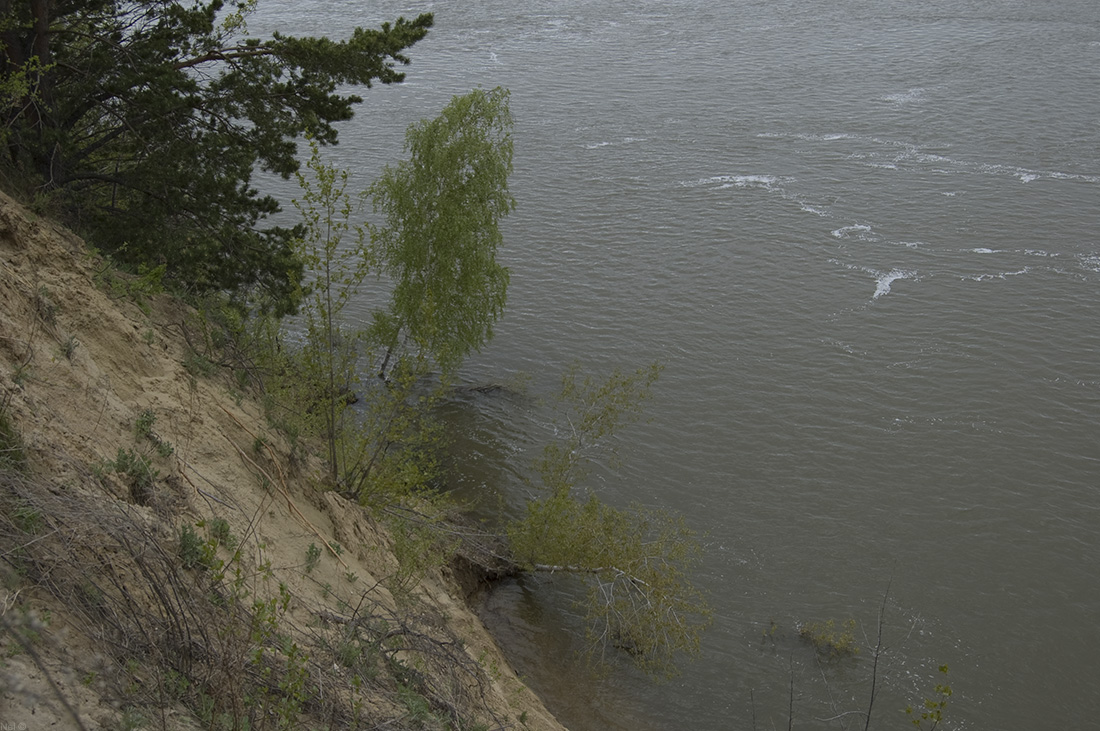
x=330, y=347
x=21, y=48
x=40, y=10
x=14, y=58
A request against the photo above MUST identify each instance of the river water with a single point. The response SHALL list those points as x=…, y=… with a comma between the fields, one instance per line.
x=863, y=238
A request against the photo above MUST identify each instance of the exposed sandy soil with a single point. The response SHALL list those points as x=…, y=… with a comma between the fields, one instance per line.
x=78, y=368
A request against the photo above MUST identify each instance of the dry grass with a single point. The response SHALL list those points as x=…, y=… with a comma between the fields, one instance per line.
x=215, y=642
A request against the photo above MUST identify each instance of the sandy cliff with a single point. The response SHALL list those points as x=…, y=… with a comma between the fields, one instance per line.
x=157, y=563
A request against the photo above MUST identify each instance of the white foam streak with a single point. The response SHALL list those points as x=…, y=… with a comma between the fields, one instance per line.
x=766, y=182
x=1090, y=262
x=999, y=275
x=882, y=284
x=909, y=153
x=912, y=96
x=859, y=231
x=623, y=141
x=883, y=280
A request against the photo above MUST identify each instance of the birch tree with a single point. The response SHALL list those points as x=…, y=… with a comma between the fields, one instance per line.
x=443, y=207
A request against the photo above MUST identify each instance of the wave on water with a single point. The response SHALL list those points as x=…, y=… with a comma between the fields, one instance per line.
x=911, y=96
x=623, y=141
x=883, y=282
x=1089, y=261
x=907, y=154
x=721, y=182
x=860, y=231
x=1026, y=176
x=830, y=137
x=998, y=275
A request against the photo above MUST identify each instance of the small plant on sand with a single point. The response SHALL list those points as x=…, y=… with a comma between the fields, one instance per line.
x=138, y=473
x=192, y=551
x=313, y=557
x=68, y=347
x=220, y=532
x=27, y=518
x=143, y=426
x=143, y=431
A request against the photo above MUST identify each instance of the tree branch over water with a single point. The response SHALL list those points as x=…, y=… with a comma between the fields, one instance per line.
x=634, y=562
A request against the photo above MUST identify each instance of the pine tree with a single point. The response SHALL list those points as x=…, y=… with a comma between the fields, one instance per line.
x=143, y=122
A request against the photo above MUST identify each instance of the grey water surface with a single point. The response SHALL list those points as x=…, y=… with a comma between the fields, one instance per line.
x=863, y=238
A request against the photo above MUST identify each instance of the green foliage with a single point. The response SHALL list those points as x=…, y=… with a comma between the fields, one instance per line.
x=198, y=365
x=118, y=284
x=266, y=639
x=417, y=706
x=135, y=466
x=357, y=652
x=420, y=546
x=192, y=551
x=394, y=449
x=313, y=557
x=220, y=532
x=325, y=370
x=932, y=708
x=144, y=121
x=27, y=518
x=143, y=425
x=829, y=639
x=385, y=447
x=595, y=410
x=132, y=720
x=636, y=562
x=20, y=90
x=138, y=473
x=443, y=208
x=199, y=553
x=639, y=598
